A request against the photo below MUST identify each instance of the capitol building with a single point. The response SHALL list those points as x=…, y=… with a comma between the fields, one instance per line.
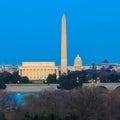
x=39, y=71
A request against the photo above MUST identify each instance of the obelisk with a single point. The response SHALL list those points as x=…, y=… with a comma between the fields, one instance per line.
x=63, y=47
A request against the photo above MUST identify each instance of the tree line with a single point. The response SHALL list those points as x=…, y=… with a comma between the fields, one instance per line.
x=8, y=78
x=71, y=80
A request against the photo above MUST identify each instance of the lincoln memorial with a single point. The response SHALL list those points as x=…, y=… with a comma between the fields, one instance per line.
x=38, y=70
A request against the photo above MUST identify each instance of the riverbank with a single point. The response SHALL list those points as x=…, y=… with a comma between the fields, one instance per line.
x=22, y=88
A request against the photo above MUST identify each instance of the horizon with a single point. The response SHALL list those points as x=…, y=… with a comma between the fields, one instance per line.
x=31, y=31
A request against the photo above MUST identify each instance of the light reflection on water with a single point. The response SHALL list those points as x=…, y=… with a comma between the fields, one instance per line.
x=19, y=96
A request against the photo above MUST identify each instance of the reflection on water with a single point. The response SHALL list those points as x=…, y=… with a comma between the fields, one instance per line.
x=19, y=96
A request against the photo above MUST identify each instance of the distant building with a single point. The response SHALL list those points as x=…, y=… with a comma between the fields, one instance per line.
x=115, y=67
x=105, y=64
x=77, y=63
x=9, y=68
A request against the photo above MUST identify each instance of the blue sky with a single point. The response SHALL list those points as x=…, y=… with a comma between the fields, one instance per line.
x=30, y=30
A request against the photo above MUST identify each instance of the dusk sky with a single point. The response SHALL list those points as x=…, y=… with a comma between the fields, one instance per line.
x=30, y=30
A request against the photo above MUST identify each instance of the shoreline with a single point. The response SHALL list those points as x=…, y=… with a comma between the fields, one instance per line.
x=28, y=88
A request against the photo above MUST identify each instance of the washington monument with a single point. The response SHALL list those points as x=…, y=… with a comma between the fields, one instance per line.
x=63, y=47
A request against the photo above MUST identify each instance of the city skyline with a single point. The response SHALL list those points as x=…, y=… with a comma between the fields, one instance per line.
x=31, y=31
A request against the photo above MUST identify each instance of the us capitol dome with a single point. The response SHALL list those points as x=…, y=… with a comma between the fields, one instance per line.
x=78, y=62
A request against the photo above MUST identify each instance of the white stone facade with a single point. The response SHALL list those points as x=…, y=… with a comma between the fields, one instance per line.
x=38, y=70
